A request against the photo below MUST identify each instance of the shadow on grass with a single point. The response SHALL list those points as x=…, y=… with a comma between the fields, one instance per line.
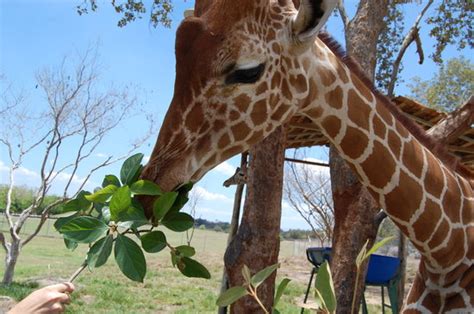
x=18, y=291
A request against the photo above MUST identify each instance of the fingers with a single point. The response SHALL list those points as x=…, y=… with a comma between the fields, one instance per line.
x=50, y=299
x=62, y=298
x=63, y=287
x=56, y=308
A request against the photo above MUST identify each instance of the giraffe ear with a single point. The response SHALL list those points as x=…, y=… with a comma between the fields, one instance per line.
x=311, y=17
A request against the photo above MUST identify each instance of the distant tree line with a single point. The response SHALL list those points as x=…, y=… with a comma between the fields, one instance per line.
x=219, y=226
x=23, y=197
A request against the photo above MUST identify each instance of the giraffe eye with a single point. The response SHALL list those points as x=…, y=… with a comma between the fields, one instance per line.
x=245, y=76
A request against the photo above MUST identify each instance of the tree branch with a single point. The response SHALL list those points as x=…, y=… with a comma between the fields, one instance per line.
x=454, y=124
x=4, y=243
x=43, y=219
x=342, y=11
x=411, y=36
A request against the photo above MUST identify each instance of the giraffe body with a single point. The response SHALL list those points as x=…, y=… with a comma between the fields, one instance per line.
x=242, y=72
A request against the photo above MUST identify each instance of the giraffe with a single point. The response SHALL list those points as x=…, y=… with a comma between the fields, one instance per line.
x=243, y=70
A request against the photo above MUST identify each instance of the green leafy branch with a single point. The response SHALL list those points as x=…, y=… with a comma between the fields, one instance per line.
x=363, y=255
x=108, y=218
x=250, y=286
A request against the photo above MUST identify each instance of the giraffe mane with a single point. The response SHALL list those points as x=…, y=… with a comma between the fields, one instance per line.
x=439, y=150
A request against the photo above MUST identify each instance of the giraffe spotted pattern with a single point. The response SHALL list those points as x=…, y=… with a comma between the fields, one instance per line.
x=285, y=69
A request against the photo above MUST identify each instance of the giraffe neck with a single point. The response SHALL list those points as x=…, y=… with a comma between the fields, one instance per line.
x=430, y=204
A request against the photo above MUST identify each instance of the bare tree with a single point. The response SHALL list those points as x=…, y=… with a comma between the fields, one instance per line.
x=65, y=132
x=308, y=191
x=194, y=199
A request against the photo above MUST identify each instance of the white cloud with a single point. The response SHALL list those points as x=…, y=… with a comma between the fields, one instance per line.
x=30, y=178
x=211, y=214
x=146, y=159
x=205, y=195
x=22, y=175
x=225, y=168
x=101, y=155
x=321, y=169
x=3, y=167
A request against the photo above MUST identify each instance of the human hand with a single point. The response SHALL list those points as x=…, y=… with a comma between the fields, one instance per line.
x=50, y=299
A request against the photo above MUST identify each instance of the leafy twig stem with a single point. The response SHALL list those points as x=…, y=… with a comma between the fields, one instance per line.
x=253, y=293
x=78, y=272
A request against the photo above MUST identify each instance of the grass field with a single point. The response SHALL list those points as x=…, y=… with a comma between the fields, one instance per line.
x=165, y=290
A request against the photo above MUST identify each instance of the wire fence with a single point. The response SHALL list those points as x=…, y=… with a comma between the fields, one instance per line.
x=30, y=226
x=202, y=241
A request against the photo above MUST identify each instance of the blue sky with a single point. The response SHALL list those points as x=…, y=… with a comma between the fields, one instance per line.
x=35, y=34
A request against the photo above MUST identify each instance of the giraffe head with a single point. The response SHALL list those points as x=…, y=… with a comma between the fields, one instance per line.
x=238, y=77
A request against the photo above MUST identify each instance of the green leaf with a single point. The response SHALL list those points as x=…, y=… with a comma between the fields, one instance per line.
x=131, y=169
x=84, y=229
x=135, y=215
x=325, y=287
x=130, y=259
x=153, y=242
x=174, y=258
x=275, y=311
x=246, y=274
x=192, y=268
x=64, y=220
x=121, y=201
x=106, y=214
x=163, y=204
x=110, y=179
x=378, y=245
x=259, y=277
x=145, y=187
x=100, y=252
x=182, y=198
x=319, y=302
x=102, y=195
x=178, y=222
x=186, y=188
x=186, y=250
x=280, y=290
x=231, y=295
x=362, y=254
x=70, y=245
x=77, y=204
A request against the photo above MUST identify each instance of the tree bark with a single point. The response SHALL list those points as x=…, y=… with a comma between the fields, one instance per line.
x=355, y=212
x=363, y=31
x=11, y=257
x=355, y=209
x=402, y=255
x=454, y=124
x=234, y=225
x=257, y=242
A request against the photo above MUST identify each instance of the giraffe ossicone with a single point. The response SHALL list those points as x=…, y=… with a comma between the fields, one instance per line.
x=243, y=70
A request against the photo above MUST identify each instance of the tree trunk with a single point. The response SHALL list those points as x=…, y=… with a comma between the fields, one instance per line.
x=234, y=224
x=354, y=207
x=402, y=255
x=257, y=242
x=11, y=258
x=354, y=215
x=454, y=124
